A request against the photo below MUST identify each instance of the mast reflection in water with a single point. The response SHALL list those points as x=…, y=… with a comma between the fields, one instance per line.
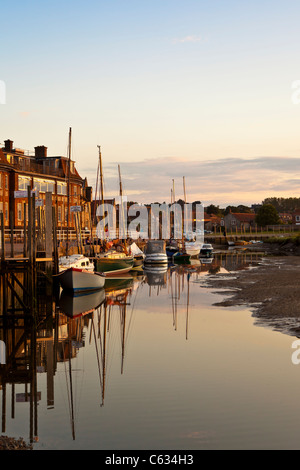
x=147, y=362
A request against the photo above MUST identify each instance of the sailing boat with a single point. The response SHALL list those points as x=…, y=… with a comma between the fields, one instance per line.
x=76, y=272
x=191, y=247
x=176, y=251
x=113, y=262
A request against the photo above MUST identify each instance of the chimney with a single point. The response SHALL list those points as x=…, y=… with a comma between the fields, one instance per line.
x=40, y=151
x=8, y=147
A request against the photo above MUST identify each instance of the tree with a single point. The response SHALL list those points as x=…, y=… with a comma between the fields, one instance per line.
x=267, y=215
x=237, y=209
x=212, y=209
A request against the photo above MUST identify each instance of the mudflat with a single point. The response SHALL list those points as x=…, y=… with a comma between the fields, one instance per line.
x=270, y=288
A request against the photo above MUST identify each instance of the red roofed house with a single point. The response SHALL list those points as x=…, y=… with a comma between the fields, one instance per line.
x=239, y=220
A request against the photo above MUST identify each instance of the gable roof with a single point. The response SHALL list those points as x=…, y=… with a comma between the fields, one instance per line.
x=243, y=217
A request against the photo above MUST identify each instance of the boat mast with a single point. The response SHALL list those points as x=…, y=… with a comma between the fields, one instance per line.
x=68, y=191
x=101, y=175
x=173, y=191
x=121, y=205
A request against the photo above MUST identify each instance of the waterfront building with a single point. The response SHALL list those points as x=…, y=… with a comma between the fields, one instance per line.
x=20, y=169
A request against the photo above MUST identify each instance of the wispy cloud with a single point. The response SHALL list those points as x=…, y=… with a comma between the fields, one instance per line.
x=189, y=39
x=222, y=182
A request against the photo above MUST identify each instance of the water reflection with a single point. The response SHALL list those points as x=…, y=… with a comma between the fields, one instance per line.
x=52, y=330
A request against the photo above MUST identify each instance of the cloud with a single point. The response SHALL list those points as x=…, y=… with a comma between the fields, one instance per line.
x=221, y=182
x=190, y=38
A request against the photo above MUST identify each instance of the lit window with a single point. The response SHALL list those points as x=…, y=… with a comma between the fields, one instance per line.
x=23, y=182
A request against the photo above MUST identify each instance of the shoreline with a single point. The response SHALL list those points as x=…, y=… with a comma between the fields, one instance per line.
x=269, y=288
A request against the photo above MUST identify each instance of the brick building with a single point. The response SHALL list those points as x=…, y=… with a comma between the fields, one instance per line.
x=20, y=169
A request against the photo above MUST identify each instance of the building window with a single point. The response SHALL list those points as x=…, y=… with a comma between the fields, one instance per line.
x=62, y=188
x=6, y=181
x=59, y=213
x=23, y=182
x=43, y=186
x=6, y=211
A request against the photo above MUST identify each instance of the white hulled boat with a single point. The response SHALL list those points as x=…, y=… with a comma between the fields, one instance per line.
x=75, y=261
x=80, y=280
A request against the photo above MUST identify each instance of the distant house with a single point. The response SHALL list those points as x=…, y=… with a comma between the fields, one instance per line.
x=296, y=218
x=239, y=221
x=211, y=221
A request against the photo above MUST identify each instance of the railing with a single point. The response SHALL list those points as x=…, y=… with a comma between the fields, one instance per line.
x=37, y=168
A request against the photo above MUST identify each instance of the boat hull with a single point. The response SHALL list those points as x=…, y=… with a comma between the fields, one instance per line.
x=114, y=265
x=181, y=258
x=78, y=280
x=192, y=251
x=156, y=258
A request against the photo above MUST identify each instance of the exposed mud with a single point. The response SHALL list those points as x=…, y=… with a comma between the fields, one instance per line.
x=270, y=288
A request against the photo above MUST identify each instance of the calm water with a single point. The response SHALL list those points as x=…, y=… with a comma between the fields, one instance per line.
x=156, y=366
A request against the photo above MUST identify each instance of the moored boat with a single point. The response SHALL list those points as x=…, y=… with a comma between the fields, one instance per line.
x=114, y=262
x=138, y=255
x=79, y=280
x=156, y=252
x=176, y=253
x=241, y=242
x=206, y=250
x=180, y=258
x=192, y=248
x=75, y=261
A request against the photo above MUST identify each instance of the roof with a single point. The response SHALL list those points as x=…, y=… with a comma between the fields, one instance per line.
x=243, y=217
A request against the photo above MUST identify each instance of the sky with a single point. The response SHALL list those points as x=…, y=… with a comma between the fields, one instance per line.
x=170, y=88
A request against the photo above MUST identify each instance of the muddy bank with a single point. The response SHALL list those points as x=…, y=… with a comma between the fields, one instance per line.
x=270, y=288
x=10, y=443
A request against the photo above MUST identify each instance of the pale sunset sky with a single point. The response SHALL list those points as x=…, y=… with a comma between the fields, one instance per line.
x=168, y=88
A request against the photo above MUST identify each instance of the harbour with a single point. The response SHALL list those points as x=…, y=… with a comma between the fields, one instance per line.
x=147, y=362
x=149, y=229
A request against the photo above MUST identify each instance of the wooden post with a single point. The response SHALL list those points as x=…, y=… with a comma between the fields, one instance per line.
x=29, y=225
x=48, y=229
x=33, y=229
x=25, y=231
x=11, y=224
x=54, y=240
x=2, y=237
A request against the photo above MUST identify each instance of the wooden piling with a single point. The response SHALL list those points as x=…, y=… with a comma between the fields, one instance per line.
x=2, y=238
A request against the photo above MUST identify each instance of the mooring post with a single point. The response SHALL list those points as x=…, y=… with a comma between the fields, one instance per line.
x=55, y=248
x=48, y=230
x=25, y=231
x=2, y=238
x=11, y=224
